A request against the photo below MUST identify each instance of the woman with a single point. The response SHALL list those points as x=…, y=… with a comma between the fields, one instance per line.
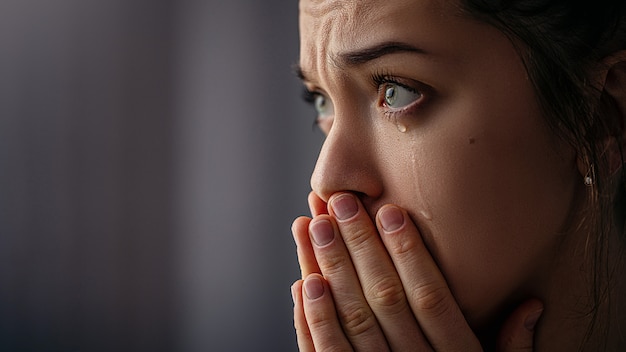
x=469, y=193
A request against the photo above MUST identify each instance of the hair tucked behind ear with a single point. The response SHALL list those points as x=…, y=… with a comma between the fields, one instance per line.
x=562, y=42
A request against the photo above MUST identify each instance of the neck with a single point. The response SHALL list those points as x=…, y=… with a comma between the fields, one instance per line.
x=583, y=298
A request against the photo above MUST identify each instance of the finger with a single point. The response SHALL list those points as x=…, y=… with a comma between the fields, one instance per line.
x=317, y=205
x=306, y=256
x=518, y=331
x=321, y=316
x=376, y=274
x=428, y=294
x=356, y=317
x=305, y=341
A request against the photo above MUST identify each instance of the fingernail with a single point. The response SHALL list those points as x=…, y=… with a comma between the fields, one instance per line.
x=322, y=232
x=313, y=287
x=532, y=319
x=391, y=218
x=345, y=206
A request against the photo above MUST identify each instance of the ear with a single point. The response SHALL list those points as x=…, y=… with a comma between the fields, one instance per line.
x=614, y=102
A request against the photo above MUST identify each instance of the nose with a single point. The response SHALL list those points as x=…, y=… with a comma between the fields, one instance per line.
x=347, y=162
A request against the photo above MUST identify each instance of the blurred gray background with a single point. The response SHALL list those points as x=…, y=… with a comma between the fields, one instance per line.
x=153, y=154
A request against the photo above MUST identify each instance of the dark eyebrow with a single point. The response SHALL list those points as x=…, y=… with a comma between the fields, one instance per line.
x=362, y=56
x=297, y=70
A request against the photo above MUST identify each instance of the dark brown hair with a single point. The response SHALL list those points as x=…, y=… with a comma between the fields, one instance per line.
x=562, y=42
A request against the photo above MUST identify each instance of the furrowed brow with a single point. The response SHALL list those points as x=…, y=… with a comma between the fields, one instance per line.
x=365, y=55
x=362, y=56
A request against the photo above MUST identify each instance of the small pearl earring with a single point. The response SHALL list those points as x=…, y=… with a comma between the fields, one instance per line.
x=589, y=176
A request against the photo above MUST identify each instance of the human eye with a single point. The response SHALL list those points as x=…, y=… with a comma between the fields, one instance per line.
x=396, y=96
x=321, y=103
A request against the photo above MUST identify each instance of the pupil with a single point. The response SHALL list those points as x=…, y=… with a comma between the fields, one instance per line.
x=390, y=94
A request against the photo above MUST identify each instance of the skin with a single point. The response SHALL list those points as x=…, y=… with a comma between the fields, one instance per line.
x=479, y=199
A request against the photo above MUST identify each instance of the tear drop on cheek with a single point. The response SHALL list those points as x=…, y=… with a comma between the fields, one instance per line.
x=401, y=127
x=426, y=214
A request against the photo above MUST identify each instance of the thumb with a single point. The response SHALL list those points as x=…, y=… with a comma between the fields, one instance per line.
x=519, y=329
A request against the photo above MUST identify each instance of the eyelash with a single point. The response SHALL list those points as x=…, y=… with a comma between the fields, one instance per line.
x=379, y=79
x=309, y=97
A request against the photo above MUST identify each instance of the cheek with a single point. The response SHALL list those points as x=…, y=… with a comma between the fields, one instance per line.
x=490, y=203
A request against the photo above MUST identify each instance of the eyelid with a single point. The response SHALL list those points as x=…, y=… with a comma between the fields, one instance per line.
x=379, y=80
x=310, y=93
x=321, y=120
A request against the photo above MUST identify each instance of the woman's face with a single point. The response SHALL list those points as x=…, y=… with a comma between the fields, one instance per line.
x=428, y=109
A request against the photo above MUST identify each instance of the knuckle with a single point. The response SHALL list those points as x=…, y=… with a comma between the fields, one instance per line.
x=330, y=346
x=357, y=320
x=316, y=321
x=406, y=246
x=388, y=294
x=332, y=264
x=356, y=236
x=302, y=329
x=433, y=301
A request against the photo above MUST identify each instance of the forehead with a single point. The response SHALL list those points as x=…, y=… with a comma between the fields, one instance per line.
x=327, y=14
x=328, y=27
x=323, y=22
x=351, y=12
